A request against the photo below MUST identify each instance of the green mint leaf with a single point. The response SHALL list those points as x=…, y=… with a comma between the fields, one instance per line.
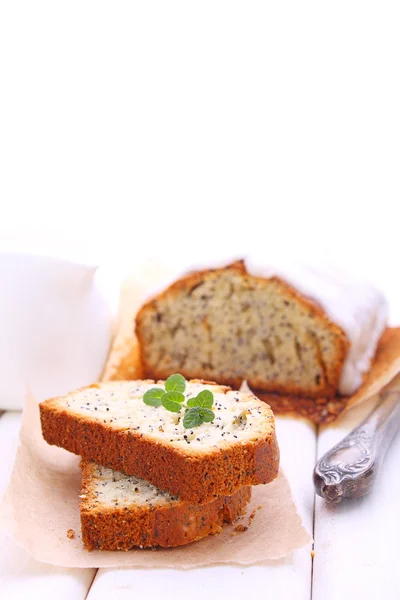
x=192, y=418
x=172, y=401
x=207, y=415
x=205, y=400
x=153, y=397
x=175, y=383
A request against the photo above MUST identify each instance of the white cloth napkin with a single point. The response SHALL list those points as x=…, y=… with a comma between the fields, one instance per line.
x=55, y=327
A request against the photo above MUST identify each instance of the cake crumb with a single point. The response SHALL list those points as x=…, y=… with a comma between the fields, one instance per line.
x=259, y=507
x=251, y=517
x=239, y=529
x=70, y=534
x=312, y=553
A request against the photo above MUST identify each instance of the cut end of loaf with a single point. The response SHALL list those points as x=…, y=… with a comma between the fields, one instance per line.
x=227, y=325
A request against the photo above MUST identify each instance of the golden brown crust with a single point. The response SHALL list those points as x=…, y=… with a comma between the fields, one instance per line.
x=385, y=366
x=197, y=478
x=173, y=524
x=332, y=371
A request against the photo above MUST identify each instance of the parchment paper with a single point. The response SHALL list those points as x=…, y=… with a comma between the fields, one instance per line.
x=42, y=504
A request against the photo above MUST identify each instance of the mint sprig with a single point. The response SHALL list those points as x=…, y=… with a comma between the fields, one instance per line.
x=172, y=401
x=192, y=418
x=196, y=416
x=204, y=400
x=175, y=383
x=153, y=397
x=198, y=409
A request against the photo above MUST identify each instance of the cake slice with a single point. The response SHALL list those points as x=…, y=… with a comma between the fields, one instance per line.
x=110, y=424
x=287, y=331
x=120, y=512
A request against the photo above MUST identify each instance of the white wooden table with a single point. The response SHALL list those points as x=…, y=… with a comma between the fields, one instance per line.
x=355, y=545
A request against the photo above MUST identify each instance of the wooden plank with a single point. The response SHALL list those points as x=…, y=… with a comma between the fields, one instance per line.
x=289, y=578
x=20, y=575
x=356, y=543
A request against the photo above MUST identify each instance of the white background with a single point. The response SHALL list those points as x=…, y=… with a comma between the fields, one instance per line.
x=197, y=130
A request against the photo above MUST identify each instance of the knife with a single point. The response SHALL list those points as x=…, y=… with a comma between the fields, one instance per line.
x=349, y=469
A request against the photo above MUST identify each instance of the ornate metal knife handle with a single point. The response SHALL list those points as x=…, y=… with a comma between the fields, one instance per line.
x=349, y=469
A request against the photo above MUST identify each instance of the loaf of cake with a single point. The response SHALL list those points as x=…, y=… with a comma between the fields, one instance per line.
x=287, y=331
x=110, y=424
x=120, y=512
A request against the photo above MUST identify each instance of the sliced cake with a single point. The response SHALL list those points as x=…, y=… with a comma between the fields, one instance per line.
x=110, y=423
x=120, y=512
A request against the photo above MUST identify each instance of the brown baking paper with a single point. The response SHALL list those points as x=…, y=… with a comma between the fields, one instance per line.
x=42, y=503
